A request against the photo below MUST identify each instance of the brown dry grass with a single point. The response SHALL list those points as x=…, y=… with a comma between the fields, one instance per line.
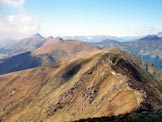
x=83, y=88
x=66, y=50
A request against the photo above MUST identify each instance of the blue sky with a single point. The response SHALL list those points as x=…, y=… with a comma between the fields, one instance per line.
x=89, y=17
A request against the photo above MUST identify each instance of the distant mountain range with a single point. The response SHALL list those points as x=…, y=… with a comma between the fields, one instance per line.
x=98, y=38
x=36, y=50
x=7, y=42
x=90, y=38
x=150, y=38
x=148, y=48
x=108, y=43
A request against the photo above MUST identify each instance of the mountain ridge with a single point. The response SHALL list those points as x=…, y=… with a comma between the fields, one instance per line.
x=72, y=89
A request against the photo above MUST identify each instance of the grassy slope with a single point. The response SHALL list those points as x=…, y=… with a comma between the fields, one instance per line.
x=63, y=50
x=107, y=83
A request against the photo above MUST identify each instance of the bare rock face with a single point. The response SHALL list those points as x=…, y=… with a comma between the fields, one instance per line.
x=107, y=83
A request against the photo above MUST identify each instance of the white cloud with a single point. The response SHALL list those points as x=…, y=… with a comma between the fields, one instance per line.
x=18, y=25
x=24, y=23
x=145, y=30
x=13, y=3
x=11, y=18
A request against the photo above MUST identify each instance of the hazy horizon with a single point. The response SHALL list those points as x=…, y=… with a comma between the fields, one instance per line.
x=22, y=18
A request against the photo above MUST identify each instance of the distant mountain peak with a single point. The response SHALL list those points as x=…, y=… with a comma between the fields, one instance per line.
x=159, y=34
x=37, y=35
x=151, y=37
x=108, y=43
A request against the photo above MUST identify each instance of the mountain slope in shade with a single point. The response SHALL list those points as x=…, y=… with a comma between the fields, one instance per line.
x=106, y=83
x=145, y=116
x=24, y=45
x=54, y=50
x=19, y=62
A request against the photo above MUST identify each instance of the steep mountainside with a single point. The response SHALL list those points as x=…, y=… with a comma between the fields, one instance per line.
x=106, y=83
x=54, y=50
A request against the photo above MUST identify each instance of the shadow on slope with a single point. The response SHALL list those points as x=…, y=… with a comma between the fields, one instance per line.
x=16, y=63
x=146, y=116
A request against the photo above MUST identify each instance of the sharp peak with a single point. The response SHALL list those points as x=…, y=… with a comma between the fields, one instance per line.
x=37, y=35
